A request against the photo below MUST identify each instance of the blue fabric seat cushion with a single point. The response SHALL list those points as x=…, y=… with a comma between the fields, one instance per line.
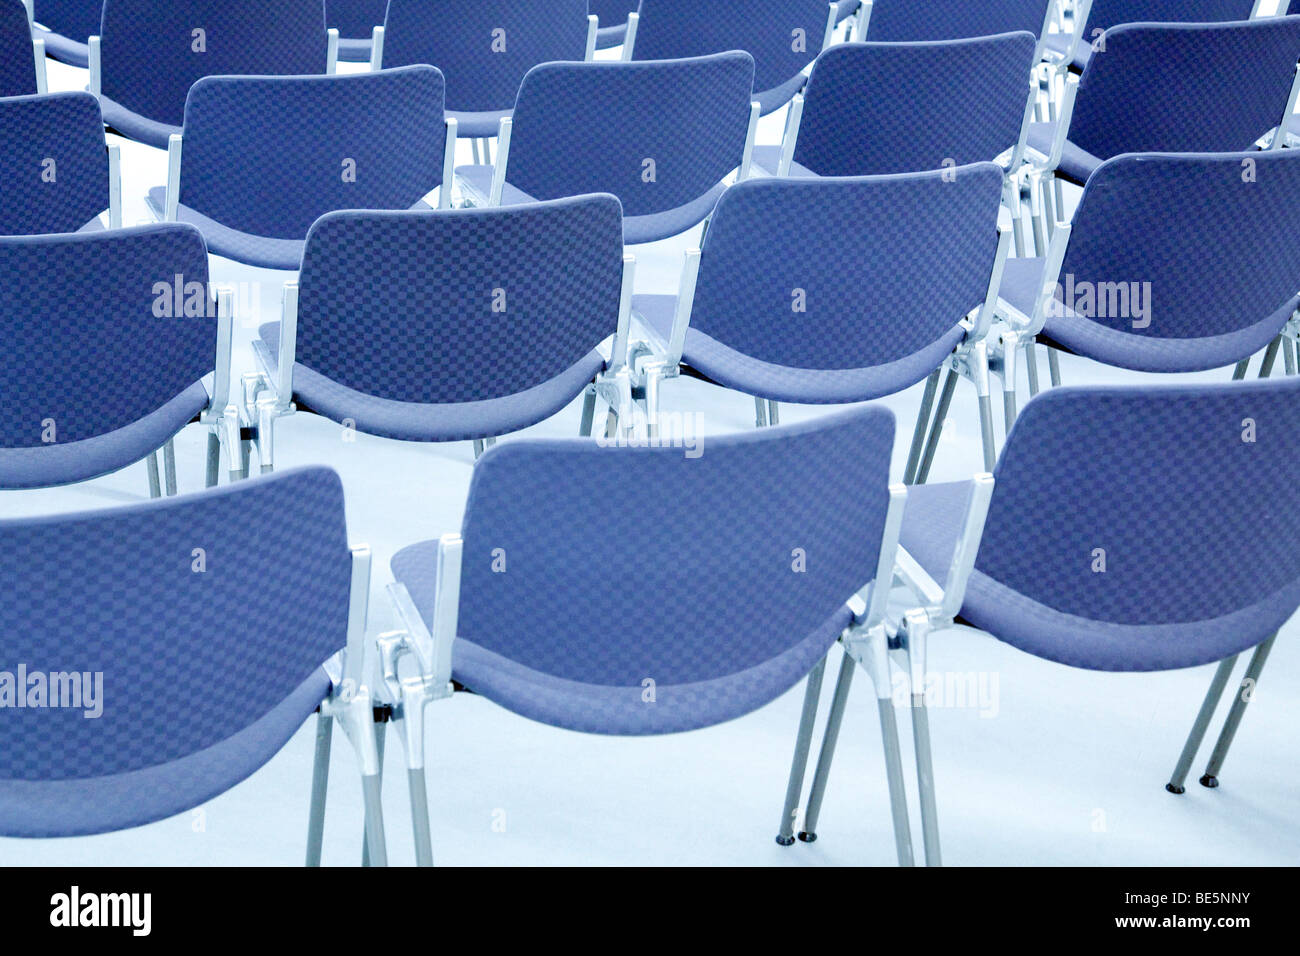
x=481, y=125
x=768, y=160
x=1077, y=164
x=355, y=50
x=134, y=126
x=64, y=49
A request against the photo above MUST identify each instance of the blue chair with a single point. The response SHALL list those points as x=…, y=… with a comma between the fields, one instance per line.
x=58, y=173
x=1130, y=529
x=263, y=157
x=65, y=26
x=765, y=308
x=110, y=340
x=185, y=706
x=22, y=57
x=149, y=54
x=482, y=322
x=729, y=616
x=484, y=48
x=613, y=17
x=783, y=37
x=661, y=136
x=356, y=21
x=917, y=21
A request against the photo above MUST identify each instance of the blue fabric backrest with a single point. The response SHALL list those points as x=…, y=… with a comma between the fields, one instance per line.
x=1109, y=13
x=712, y=548
x=1208, y=232
x=151, y=54
x=612, y=13
x=75, y=19
x=92, y=338
x=922, y=250
x=355, y=19
x=783, y=36
x=910, y=21
x=17, y=61
x=853, y=124
x=188, y=658
x=53, y=162
x=1196, y=520
x=589, y=127
x=407, y=306
x=1183, y=88
x=484, y=47
x=271, y=155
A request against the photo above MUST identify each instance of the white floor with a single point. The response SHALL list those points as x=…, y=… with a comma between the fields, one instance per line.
x=1055, y=766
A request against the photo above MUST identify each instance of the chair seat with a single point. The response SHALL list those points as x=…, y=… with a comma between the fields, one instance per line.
x=411, y=421
x=767, y=159
x=845, y=8
x=769, y=101
x=1059, y=44
x=1076, y=164
x=613, y=710
x=477, y=181
x=67, y=463
x=65, y=50
x=610, y=37
x=65, y=808
x=1138, y=350
x=134, y=126
x=478, y=125
x=725, y=366
x=355, y=50
x=931, y=526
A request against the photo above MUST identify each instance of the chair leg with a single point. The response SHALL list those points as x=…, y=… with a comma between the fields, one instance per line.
x=922, y=426
x=169, y=467
x=925, y=780
x=1010, y=353
x=979, y=368
x=760, y=413
x=319, y=787
x=155, y=483
x=1202, y=724
x=479, y=448
x=894, y=772
x=473, y=143
x=1240, y=371
x=1031, y=365
x=1058, y=186
x=803, y=743
x=1054, y=366
x=214, y=460
x=813, y=812
x=420, y=816
x=368, y=857
x=1289, y=355
x=1270, y=357
x=377, y=849
x=1248, y=684
x=588, y=411
x=936, y=429
x=774, y=413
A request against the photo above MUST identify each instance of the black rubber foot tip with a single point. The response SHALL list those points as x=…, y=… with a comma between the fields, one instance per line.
x=807, y=837
x=1172, y=789
x=1208, y=781
x=785, y=841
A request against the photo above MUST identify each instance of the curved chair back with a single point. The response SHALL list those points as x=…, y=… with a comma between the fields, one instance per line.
x=912, y=21
x=853, y=124
x=1171, y=491
x=94, y=338
x=17, y=60
x=716, y=560
x=783, y=37
x=612, y=13
x=269, y=155
x=53, y=162
x=115, y=601
x=1184, y=88
x=1105, y=14
x=657, y=134
x=484, y=47
x=152, y=53
x=922, y=248
x=355, y=19
x=470, y=304
x=78, y=20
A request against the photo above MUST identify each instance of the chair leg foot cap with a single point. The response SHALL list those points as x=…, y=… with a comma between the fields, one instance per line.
x=785, y=841
x=807, y=837
x=1208, y=781
x=1172, y=789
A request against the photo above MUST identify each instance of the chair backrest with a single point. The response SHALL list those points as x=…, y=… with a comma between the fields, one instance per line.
x=853, y=125
x=657, y=134
x=484, y=47
x=469, y=305
x=1184, y=88
x=270, y=155
x=715, y=559
x=612, y=13
x=783, y=36
x=1111, y=13
x=152, y=53
x=355, y=19
x=94, y=340
x=911, y=21
x=1203, y=239
x=17, y=60
x=53, y=162
x=116, y=593
x=75, y=19
x=772, y=282
x=1188, y=494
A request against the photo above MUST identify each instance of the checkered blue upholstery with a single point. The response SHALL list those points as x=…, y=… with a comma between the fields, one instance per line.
x=67, y=24
x=355, y=19
x=205, y=616
x=1105, y=14
x=53, y=162
x=853, y=124
x=910, y=21
x=17, y=61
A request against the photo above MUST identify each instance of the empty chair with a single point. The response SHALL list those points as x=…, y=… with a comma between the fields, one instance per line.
x=772, y=313
x=613, y=17
x=59, y=174
x=1131, y=529
x=356, y=21
x=66, y=26
x=912, y=21
x=483, y=48
x=660, y=135
x=264, y=157
x=113, y=344
x=185, y=706
x=22, y=58
x=783, y=37
x=481, y=322
x=728, y=618
x=149, y=54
